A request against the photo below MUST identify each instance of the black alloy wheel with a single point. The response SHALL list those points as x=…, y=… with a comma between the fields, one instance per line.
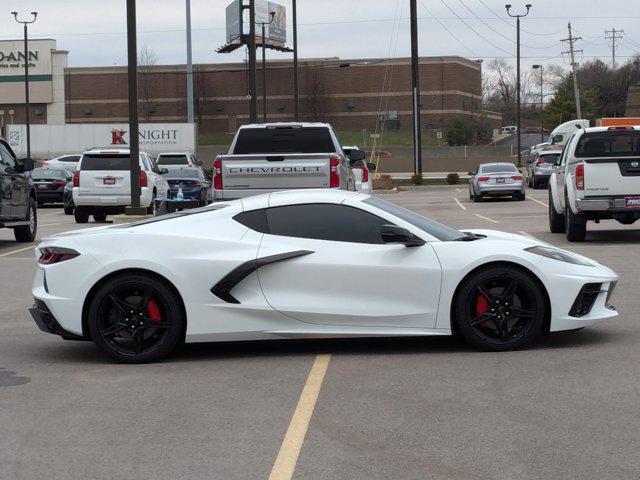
x=500, y=308
x=136, y=318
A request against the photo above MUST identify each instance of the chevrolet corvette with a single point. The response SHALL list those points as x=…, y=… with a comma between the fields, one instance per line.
x=292, y=265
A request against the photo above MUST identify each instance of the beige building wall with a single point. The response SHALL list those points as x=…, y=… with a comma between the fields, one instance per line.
x=56, y=109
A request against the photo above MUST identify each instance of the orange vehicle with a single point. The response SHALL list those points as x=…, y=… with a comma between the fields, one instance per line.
x=617, y=121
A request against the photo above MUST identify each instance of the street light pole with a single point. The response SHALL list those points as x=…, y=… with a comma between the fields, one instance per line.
x=264, y=66
x=535, y=67
x=26, y=77
x=190, y=113
x=517, y=17
x=296, y=108
x=415, y=79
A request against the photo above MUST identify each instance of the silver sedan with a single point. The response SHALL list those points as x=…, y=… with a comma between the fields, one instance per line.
x=496, y=180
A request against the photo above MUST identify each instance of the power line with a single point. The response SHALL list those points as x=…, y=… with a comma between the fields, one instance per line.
x=511, y=25
x=576, y=91
x=447, y=30
x=613, y=35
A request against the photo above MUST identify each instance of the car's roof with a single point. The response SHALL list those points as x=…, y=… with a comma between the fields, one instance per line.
x=496, y=163
x=550, y=151
x=175, y=153
x=99, y=150
x=284, y=125
x=619, y=128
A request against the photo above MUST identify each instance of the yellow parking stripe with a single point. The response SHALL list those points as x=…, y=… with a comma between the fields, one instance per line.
x=458, y=190
x=538, y=201
x=459, y=204
x=287, y=458
x=6, y=254
x=486, y=218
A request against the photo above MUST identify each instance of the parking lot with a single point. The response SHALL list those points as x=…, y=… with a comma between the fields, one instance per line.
x=429, y=408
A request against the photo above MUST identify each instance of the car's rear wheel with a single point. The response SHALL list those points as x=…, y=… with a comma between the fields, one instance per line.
x=100, y=216
x=27, y=233
x=556, y=220
x=81, y=215
x=68, y=210
x=135, y=318
x=499, y=308
x=576, y=224
x=470, y=193
x=477, y=197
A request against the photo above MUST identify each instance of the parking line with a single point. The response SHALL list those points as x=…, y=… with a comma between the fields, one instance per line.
x=538, y=201
x=486, y=218
x=287, y=458
x=459, y=204
x=50, y=214
x=458, y=190
x=522, y=232
x=17, y=251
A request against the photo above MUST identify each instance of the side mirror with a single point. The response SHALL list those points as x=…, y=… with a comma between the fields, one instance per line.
x=395, y=234
x=371, y=166
x=356, y=155
x=471, y=173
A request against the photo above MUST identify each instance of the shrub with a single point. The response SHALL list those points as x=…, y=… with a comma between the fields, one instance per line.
x=459, y=132
x=383, y=183
x=416, y=179
x=453, y=178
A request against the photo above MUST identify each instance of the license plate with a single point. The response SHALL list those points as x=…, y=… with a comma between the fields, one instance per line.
x=499, y=180
x=109, y=181
x=42, y=187
x=632, y=202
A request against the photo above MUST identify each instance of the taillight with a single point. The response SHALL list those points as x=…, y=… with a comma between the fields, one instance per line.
x=143, y=178
x=45, y=164
x=76, y=178
x=51, y=255
x=540, y=162
x=517, y=177
x=580, y=176
x=365, y=173
x=334, y=175
x=217, y=174
x=621, y=127
x=59, y=184
x=483, y=179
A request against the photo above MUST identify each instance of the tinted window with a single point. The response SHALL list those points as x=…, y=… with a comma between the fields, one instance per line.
x=321, y=221
x=69, y=158
x=284, y=140
x=184, y=173
x=552, y=158
x=503, y=167
x=173, y=160
x=6, y=158
x=433, y=228
x=105, y=162
x=609, y=144
x=254, y=219
x=46, y=174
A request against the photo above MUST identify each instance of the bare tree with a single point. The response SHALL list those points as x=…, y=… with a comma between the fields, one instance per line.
x=200, y=93
x=313, y=91
x=147, y=59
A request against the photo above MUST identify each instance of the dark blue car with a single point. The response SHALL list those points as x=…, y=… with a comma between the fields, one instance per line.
x=193, y=183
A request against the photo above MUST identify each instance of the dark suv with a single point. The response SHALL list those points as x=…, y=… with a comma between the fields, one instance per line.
x=18, y=200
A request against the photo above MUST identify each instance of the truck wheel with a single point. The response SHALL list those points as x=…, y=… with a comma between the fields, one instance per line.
x=151, y=209
x=81, y=215
x=576, y=225
x=556, y=220
x=27, y=233
x=100, y=216
x=68, y=210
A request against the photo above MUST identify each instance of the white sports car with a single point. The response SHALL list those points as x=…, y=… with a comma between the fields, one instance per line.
x=291, y=265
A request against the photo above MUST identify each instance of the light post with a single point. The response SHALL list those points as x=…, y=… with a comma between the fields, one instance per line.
x=264, y=65
x=517, y=17
x=535, y=67
x=26, y=77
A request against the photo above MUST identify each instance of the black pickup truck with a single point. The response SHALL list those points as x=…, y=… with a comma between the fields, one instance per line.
x=18, y=201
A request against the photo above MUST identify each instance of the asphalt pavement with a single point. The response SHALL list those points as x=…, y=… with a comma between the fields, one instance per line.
x=430, y=408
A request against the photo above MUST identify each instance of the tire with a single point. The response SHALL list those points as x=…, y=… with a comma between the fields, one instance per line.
x=476, y=197
x=529, y=182
x=126, y=341
x=81, y=215
x=556, y=220
x=151, y=209
x=519, y=196
x=496, y=328
x=27, y=233
x=576, y=224
x=100, y=216
x=68, y=210
x=534, y=184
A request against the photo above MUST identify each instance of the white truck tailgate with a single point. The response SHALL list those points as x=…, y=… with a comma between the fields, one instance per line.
x=244, y=172
x=620, y=176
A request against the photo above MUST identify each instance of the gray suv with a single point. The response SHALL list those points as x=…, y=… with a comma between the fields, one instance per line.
x=540, y=168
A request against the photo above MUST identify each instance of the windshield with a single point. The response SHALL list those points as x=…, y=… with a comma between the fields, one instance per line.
x=552, y=158
x=172, y=160
x=613, y=143
x=499, y=168
x=105, y=162
x=284, y=140
x=45, y=174
x=433, y=228
x=183, y=173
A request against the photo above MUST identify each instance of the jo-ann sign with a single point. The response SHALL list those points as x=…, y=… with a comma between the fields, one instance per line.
x=12, y=63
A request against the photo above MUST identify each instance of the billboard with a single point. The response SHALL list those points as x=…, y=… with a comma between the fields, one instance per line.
x=276, y=32
x=12, y=63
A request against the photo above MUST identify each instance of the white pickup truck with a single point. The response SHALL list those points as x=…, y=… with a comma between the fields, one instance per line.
x=280, y=156
x=598, y=178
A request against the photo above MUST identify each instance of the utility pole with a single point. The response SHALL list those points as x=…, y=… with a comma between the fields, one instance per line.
x=613, y=35
x=518, y=115
x=574, y=66
x=264, y=65
x=296, y=107
x=535, y=67
x=134, y=145
x=26, y=77
x=189, y=66
x=251, y=45
x=415, y=80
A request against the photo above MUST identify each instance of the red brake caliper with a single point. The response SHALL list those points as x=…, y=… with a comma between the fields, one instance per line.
x=481, y=307
x=153, y=311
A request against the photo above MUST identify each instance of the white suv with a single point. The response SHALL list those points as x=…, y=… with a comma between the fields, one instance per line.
x=177, y=160
x=65, y=162
x=102, y=183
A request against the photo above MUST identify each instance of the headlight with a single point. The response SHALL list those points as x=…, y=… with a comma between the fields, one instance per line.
x=556, y=254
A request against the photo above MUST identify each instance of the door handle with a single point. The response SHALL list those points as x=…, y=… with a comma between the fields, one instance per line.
x=275, y=159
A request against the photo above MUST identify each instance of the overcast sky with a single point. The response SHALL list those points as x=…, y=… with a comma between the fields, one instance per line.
x=94, y=31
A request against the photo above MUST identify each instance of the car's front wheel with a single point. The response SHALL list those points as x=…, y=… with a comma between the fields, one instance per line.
x=27, y=233
x=499, y=308
x=136, y=318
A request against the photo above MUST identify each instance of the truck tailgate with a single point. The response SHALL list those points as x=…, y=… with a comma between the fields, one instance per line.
x=614, y=176
x=285, y=171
